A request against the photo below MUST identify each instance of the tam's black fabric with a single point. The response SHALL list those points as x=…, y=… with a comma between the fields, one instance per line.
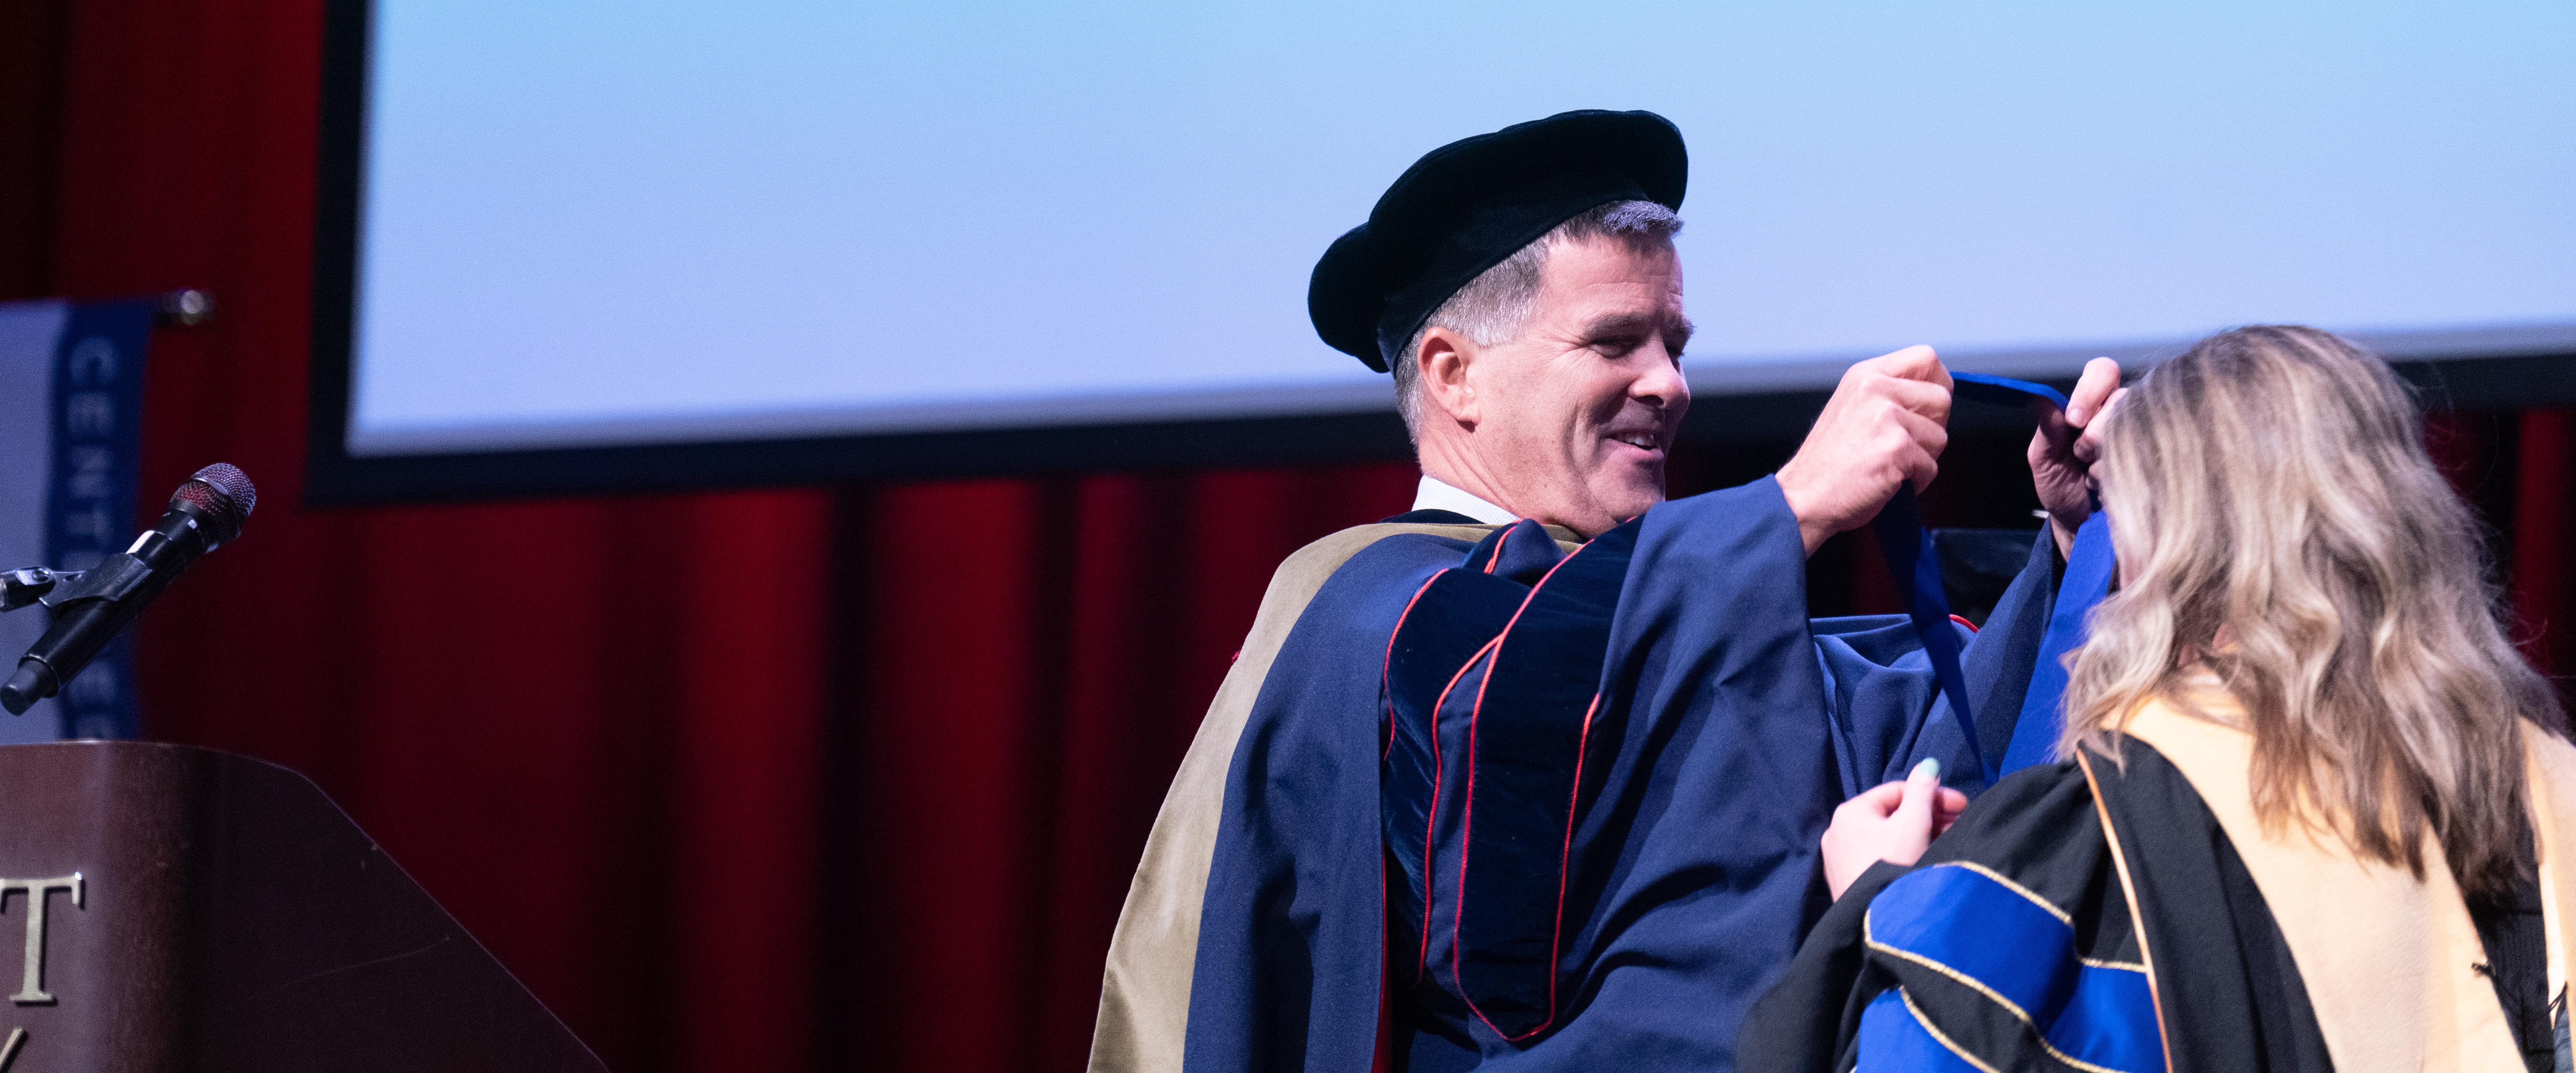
x=1468, y=205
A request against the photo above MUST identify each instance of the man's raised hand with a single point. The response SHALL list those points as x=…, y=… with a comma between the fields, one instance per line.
x=2062, y=452
x=1887, y=422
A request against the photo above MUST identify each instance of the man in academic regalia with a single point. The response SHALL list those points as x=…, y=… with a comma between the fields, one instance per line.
x=1533, y=775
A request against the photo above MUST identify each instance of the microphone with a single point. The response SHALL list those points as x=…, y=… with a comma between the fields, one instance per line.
x=204, y=514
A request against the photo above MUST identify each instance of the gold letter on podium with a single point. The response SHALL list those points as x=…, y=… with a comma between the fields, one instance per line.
x=32, y=988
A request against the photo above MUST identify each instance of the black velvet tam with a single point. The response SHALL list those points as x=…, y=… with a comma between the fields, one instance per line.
x=1468, y=205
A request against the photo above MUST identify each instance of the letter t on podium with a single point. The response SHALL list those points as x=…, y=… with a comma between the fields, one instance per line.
x=31, y=990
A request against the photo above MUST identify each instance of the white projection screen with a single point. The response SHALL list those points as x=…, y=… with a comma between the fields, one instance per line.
x=587, y=244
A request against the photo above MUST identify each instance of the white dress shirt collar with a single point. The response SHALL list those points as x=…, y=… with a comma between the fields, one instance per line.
x=1437, y=494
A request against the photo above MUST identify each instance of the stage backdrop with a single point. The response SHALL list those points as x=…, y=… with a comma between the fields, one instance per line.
x=814, y=779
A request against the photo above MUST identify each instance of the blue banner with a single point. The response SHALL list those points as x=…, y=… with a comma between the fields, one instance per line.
x=97, y=441
x=71, y=400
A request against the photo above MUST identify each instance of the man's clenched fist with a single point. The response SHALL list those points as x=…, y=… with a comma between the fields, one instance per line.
x=1887, y=422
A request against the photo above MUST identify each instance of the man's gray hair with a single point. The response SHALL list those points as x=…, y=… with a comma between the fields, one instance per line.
x=1493, y=307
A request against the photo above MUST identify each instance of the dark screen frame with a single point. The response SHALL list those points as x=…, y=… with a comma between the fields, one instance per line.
x=334, y=477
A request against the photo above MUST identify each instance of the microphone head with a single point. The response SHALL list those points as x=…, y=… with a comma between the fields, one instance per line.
x=224, y=494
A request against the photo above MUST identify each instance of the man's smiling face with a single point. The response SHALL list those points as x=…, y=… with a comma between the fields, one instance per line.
x=1575, y=415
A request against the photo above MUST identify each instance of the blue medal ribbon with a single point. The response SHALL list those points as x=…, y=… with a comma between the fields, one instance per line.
x=1908, y=547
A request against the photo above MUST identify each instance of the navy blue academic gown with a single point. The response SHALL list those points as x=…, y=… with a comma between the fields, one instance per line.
x=1500, y=804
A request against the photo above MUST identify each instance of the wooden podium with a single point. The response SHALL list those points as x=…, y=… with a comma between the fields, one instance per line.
x=186, y=909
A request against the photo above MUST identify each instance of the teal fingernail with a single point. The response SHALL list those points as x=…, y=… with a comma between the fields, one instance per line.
x=1930, y=766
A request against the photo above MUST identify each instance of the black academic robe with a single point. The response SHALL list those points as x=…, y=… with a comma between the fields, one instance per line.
x=1639, y=740
x=2096, y=915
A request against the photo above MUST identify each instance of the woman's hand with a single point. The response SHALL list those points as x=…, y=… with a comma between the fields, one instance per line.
x=1892, y=823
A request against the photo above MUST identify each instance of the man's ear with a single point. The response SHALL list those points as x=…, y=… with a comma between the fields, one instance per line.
x=1443, y=359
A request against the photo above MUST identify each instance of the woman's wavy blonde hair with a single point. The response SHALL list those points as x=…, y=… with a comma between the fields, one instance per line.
x=2272, y=482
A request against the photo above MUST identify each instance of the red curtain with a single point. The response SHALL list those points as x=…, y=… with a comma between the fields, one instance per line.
x=2544, y=551
x=845, y=779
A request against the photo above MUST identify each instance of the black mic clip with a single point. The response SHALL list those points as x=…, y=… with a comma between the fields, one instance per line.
x=31, y=585
x=119, y=577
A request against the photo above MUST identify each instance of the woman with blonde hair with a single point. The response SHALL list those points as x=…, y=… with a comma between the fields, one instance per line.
x=2313, y=810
